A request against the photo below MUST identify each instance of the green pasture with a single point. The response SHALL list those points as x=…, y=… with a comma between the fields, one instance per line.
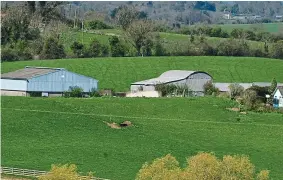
x=38, y=132
x=119, y=73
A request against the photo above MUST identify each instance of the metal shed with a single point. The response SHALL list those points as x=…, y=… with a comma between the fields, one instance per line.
x=48, y=81
x=193, y=79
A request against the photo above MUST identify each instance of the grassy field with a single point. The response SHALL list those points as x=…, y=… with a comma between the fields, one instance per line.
x=267, y=27
x=119, y=73
x=37, y=132
x=169, y=39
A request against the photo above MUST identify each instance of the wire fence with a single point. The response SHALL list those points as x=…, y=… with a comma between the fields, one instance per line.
x=34, y=173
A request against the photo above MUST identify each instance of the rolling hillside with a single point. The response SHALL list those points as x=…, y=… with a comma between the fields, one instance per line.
x=37, y=132
x=119, y=73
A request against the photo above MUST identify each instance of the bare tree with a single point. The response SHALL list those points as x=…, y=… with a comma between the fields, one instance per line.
x=138, y=33
x=55, y=29
x=126, y=15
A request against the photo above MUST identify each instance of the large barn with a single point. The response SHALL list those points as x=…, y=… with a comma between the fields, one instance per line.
x=47, y=81
x=193, y=79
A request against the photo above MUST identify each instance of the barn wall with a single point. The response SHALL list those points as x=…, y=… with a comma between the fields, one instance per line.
x=15, y=85
x=13, y=93
x=135, y=88
x=196, y=81
x=279, y=96
x=61, y=81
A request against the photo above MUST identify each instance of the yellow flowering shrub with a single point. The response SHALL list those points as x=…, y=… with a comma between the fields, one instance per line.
x=203, y=166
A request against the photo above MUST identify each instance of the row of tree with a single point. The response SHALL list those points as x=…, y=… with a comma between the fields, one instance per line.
x=236, y=33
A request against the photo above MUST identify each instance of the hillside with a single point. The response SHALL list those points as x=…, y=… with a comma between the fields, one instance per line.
x=119, y=73
x=60, y=130
x=170, y=41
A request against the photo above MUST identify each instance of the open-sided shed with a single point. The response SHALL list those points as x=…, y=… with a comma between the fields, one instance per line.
x=194, y=80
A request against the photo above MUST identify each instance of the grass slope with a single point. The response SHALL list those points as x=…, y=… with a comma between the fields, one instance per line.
x=182, y=127
x=169, y=39
x=119, y=73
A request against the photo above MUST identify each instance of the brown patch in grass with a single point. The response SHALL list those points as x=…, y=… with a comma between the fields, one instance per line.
x=234, y=109
x=114, y=125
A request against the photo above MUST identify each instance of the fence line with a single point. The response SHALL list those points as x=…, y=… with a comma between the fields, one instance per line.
x=34, y=173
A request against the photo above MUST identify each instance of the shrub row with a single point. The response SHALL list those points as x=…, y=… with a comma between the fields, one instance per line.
x=235, y=33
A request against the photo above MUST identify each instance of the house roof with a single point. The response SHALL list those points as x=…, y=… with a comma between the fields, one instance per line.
x=280, y=88
x=168, y=76
x=29, y=72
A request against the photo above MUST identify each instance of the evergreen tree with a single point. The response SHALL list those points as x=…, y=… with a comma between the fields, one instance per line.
x=272, y=86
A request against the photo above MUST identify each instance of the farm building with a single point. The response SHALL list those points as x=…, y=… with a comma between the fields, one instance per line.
x=278, y=97
x=44, y=81
x=194, y=80
x=224, y=87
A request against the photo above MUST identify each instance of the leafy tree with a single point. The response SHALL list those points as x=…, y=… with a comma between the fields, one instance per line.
x=161, y=168
x=235, y=9
x=232, y=47
x=95, y=48
x=78, y=49
x=63, y=172
x=203, y=5
x=96, y=24
x=202, y=166
x=210, y=89
x=277, y=50
x=273, y=86
x=52, y=49
x=117, y=49
x=235, y=90
x=159, y=49
x=126, y=15
x=15, y=26
x=250, y=98
x=138, y=33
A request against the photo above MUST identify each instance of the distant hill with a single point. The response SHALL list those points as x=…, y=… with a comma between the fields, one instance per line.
x=182, y=12
x=189, y=12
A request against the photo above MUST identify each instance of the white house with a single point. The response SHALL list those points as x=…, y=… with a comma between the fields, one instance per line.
x=278, y=97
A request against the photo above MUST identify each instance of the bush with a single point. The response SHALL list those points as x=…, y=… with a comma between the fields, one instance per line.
x=260, y=92
x=15, y=54
x=95, y=48
x=172, y=89
x=63, y=172
x=8, y=54
x=277, y=50
x=202, y=166
x=210, y=89
x=52, y=49
x=94, y=93
x=78, y=49
x=117, y=49
x=232, y=47
x=96, y=24
x=250, y=99
x=235, y=90
x=74, y=91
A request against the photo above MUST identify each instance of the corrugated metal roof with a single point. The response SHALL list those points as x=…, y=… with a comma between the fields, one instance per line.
x=28, y=72
x=224, y=87
x=168, y=76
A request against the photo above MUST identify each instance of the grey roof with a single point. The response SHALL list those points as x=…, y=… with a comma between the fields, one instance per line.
x=224, y=87
x=280, y=88
x=29, y=72
x=168, y=76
